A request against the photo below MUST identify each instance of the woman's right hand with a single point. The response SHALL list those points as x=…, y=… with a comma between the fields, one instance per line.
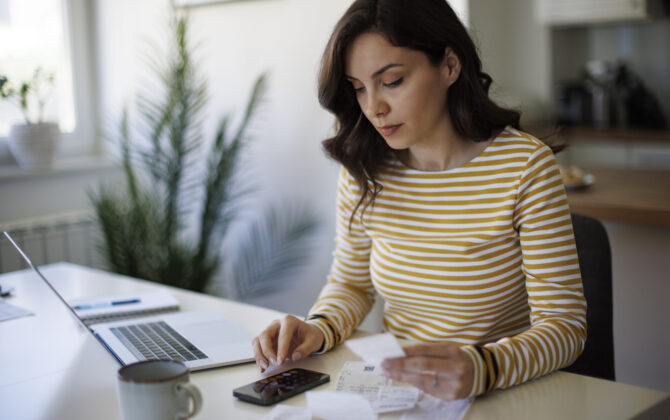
x=286, y=337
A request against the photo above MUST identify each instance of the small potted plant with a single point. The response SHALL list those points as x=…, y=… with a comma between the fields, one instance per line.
x=33, y=143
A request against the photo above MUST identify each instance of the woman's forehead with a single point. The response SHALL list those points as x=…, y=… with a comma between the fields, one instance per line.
x=371, y=52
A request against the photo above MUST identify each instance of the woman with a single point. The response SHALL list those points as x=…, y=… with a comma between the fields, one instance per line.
x=444, y=207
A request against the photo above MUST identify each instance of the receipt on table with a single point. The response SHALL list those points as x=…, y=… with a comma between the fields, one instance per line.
x=433, y=408
x=361, y=378
x=333, y=405
x=288, y=412
x=395, y=398
x=375, y=348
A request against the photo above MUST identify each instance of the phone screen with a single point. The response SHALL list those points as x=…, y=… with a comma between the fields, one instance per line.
x=280, y=386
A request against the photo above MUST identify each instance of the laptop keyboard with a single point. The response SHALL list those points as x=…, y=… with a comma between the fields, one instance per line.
x=157, y=340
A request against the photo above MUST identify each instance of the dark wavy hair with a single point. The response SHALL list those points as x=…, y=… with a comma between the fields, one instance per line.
x=429, y=26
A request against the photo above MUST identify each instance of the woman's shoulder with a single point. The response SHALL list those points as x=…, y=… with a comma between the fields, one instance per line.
x=511, y=136
x=515, y=143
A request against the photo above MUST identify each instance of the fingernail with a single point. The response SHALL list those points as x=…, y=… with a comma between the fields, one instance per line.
x=297, y=355
x=273, y=360
x=280, y=359
x=264, y=364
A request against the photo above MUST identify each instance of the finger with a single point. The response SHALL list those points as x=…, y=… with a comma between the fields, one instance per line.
x=286, y=332
x=431, y=383
x=451, y=368
x=446, y=349
x=440, y=387
x=422, y=380
x=261, y=361
x=312, y=342
x=267, y=341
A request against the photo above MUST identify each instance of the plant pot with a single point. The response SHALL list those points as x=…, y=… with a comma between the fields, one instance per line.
x=33, y=144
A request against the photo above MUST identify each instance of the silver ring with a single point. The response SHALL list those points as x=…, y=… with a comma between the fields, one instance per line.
x=435, y=384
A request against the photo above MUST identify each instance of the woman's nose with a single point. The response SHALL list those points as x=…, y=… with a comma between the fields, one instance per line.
x=377, y=107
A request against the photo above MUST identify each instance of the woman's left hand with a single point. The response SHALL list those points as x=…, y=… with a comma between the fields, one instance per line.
x=442, y=370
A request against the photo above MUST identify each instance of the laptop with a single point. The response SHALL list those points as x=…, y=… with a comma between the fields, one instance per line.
x=200, y=339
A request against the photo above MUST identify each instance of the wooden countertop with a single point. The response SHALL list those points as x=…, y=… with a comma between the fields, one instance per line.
x=625, y=195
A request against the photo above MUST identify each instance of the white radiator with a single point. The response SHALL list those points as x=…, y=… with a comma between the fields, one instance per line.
x=71, y=237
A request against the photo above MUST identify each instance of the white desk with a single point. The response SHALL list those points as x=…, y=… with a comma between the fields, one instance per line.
x=50, y=368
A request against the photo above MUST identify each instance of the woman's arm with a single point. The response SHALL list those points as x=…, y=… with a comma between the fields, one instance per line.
x=349, y=294
x=553, y=283
x=342, y=304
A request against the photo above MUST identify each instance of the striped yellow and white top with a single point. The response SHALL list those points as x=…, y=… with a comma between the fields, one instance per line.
x=482, y=255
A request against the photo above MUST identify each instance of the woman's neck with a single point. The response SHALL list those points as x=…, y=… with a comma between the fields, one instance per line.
x=452, y=152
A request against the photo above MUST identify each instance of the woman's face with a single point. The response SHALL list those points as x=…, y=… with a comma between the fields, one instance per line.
x=400, y=92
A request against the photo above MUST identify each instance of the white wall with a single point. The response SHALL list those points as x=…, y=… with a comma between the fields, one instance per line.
x=514, y=49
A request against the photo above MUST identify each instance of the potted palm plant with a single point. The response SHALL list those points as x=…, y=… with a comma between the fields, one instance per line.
x=34, y=142
x=168, y=220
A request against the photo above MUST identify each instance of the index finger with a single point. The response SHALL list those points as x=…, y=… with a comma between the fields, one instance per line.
x=446, y=349
x=445, y=366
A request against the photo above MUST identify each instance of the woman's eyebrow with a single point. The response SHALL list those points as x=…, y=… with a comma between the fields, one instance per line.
x=378, y=72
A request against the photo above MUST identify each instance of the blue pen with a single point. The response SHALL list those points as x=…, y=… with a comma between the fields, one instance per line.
x=105, y=304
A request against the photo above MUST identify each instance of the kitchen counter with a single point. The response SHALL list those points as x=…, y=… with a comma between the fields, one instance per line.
x=625, y=195
x=613, y=134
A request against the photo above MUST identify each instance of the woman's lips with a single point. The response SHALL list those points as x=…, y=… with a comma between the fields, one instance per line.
x=388, y=130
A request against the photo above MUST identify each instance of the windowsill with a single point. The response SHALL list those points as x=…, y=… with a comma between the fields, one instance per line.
x=61, y=166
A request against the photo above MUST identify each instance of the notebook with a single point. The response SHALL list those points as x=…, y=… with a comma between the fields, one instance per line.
x=201, y=339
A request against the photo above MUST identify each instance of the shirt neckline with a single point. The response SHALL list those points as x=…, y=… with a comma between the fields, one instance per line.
x=399, y=163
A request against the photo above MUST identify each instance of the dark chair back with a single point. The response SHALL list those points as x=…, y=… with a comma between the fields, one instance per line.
x=595, y=262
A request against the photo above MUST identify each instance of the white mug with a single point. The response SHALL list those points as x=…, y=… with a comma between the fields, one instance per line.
x=157, y=390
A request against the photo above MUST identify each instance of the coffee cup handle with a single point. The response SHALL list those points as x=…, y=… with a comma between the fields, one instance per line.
x=191, y=391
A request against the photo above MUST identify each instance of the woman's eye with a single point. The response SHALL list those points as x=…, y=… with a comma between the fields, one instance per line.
x=394, y=83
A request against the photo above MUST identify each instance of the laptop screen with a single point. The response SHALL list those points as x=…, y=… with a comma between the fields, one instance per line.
x=30, y=263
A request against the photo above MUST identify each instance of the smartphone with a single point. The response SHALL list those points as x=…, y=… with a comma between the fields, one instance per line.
x=281, y=386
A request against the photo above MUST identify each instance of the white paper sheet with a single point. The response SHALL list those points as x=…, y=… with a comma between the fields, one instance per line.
x=395, y=398
x=9, y=311
x=335, y=405
x=375, y=348
x=432, y=408
x=289, y=412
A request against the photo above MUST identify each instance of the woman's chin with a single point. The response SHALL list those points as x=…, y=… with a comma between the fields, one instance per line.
x=396, y=144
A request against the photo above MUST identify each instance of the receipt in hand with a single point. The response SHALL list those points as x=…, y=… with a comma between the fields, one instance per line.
x=361, y=378
x=395, y=398
x=365, y=380
x=375, y=348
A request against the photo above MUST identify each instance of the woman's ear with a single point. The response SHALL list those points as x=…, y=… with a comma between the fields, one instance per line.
x=451, y=66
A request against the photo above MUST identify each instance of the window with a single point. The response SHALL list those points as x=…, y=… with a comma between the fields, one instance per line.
x=52, y=35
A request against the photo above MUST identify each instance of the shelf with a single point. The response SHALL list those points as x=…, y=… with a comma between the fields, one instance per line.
x=622, y=134
x=61, y=166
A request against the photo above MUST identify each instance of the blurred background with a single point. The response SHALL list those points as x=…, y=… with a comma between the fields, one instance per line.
x=592, y=74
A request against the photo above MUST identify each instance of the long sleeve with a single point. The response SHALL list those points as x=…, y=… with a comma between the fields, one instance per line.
x=349, y=294
x=553, y=284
